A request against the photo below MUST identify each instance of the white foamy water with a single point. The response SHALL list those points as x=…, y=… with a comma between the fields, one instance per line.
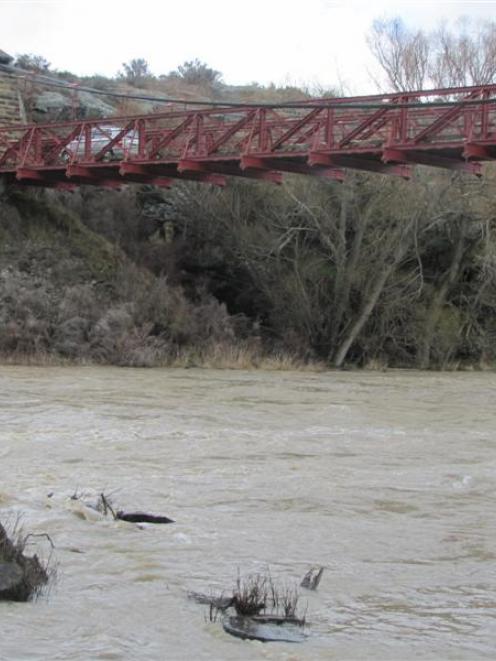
x=386, y=479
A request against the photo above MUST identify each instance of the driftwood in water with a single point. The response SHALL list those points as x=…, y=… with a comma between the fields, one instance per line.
x=312, y=578
x=21, y=577
x=220, y=603
x=141, y=517
x=131, y=517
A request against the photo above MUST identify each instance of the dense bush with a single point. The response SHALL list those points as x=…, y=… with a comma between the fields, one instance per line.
x=77, y=302
x=372, y=271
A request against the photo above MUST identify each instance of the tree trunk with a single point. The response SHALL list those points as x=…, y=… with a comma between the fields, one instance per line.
x=370, y=303
x=365, y=313
x=342, y=295
x=439, y=299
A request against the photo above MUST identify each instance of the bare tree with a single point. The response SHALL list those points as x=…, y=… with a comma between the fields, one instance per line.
x=464, y=57
x=403, y=55
x=447, y=57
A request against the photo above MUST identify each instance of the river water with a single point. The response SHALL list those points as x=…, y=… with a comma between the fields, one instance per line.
x=385, y=479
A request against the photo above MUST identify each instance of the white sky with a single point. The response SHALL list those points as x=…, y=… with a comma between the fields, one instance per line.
x=313, y=42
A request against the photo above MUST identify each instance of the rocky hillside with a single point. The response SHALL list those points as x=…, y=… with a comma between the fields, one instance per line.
x=68, y=293
x=30, y=91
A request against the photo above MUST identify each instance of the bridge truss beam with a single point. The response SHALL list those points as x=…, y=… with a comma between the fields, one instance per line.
x=448, y=128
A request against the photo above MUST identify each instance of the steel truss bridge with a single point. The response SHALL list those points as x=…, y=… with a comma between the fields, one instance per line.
x=389, y=134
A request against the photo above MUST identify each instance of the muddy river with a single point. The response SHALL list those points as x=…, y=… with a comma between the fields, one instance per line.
x=385, y=479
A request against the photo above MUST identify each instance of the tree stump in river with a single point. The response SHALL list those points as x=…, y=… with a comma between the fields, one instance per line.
x=20, y=576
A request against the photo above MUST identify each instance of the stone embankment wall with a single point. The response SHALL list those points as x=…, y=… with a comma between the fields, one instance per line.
x=11, y=111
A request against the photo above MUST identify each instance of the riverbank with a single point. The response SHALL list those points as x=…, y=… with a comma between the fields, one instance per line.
x=216, y=357
x=196, y=277
x=233, y=358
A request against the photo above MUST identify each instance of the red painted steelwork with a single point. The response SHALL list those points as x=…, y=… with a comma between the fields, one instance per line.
x=324, y=137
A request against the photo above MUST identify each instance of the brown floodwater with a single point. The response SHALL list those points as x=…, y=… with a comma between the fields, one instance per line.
x=385, y=479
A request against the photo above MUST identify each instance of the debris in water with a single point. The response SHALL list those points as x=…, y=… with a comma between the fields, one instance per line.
x=141, y=517
x=221, y=603
x=131, y=517
x=265, y=628
x=103, y=507
x=263, y=610
x=312, y=578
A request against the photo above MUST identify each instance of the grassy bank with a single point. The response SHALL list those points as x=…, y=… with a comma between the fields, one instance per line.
x=215, y=357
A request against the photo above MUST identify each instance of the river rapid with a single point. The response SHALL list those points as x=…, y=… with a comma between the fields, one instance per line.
x=385, y=479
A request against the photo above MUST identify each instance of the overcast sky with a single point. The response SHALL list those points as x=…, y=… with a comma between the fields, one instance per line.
x=313, y=42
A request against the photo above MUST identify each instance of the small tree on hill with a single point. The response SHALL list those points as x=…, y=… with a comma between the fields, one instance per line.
x=196, y=72
x=30, y=62
x=135, y=71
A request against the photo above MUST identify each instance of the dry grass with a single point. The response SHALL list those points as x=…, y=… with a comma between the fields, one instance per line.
x=251, y=594
x=485, y=365
x=376, y=365
x=259, y=593
x=39, y=359
x=242, y=356
x=256, y=596
x=215, y=356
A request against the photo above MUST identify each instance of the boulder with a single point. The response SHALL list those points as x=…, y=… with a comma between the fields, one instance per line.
x=5, y=58
x=56, y=103
x=51, y=101
x=11, y=578
x=94, y=106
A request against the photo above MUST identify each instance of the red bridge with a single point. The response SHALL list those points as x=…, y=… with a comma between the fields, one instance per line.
x=446, y=128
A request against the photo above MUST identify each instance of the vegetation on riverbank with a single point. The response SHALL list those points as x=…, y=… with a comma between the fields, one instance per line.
x=372, y=272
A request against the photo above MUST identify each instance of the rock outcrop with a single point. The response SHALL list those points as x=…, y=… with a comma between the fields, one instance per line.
x=59, y=106
x=5, y=58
